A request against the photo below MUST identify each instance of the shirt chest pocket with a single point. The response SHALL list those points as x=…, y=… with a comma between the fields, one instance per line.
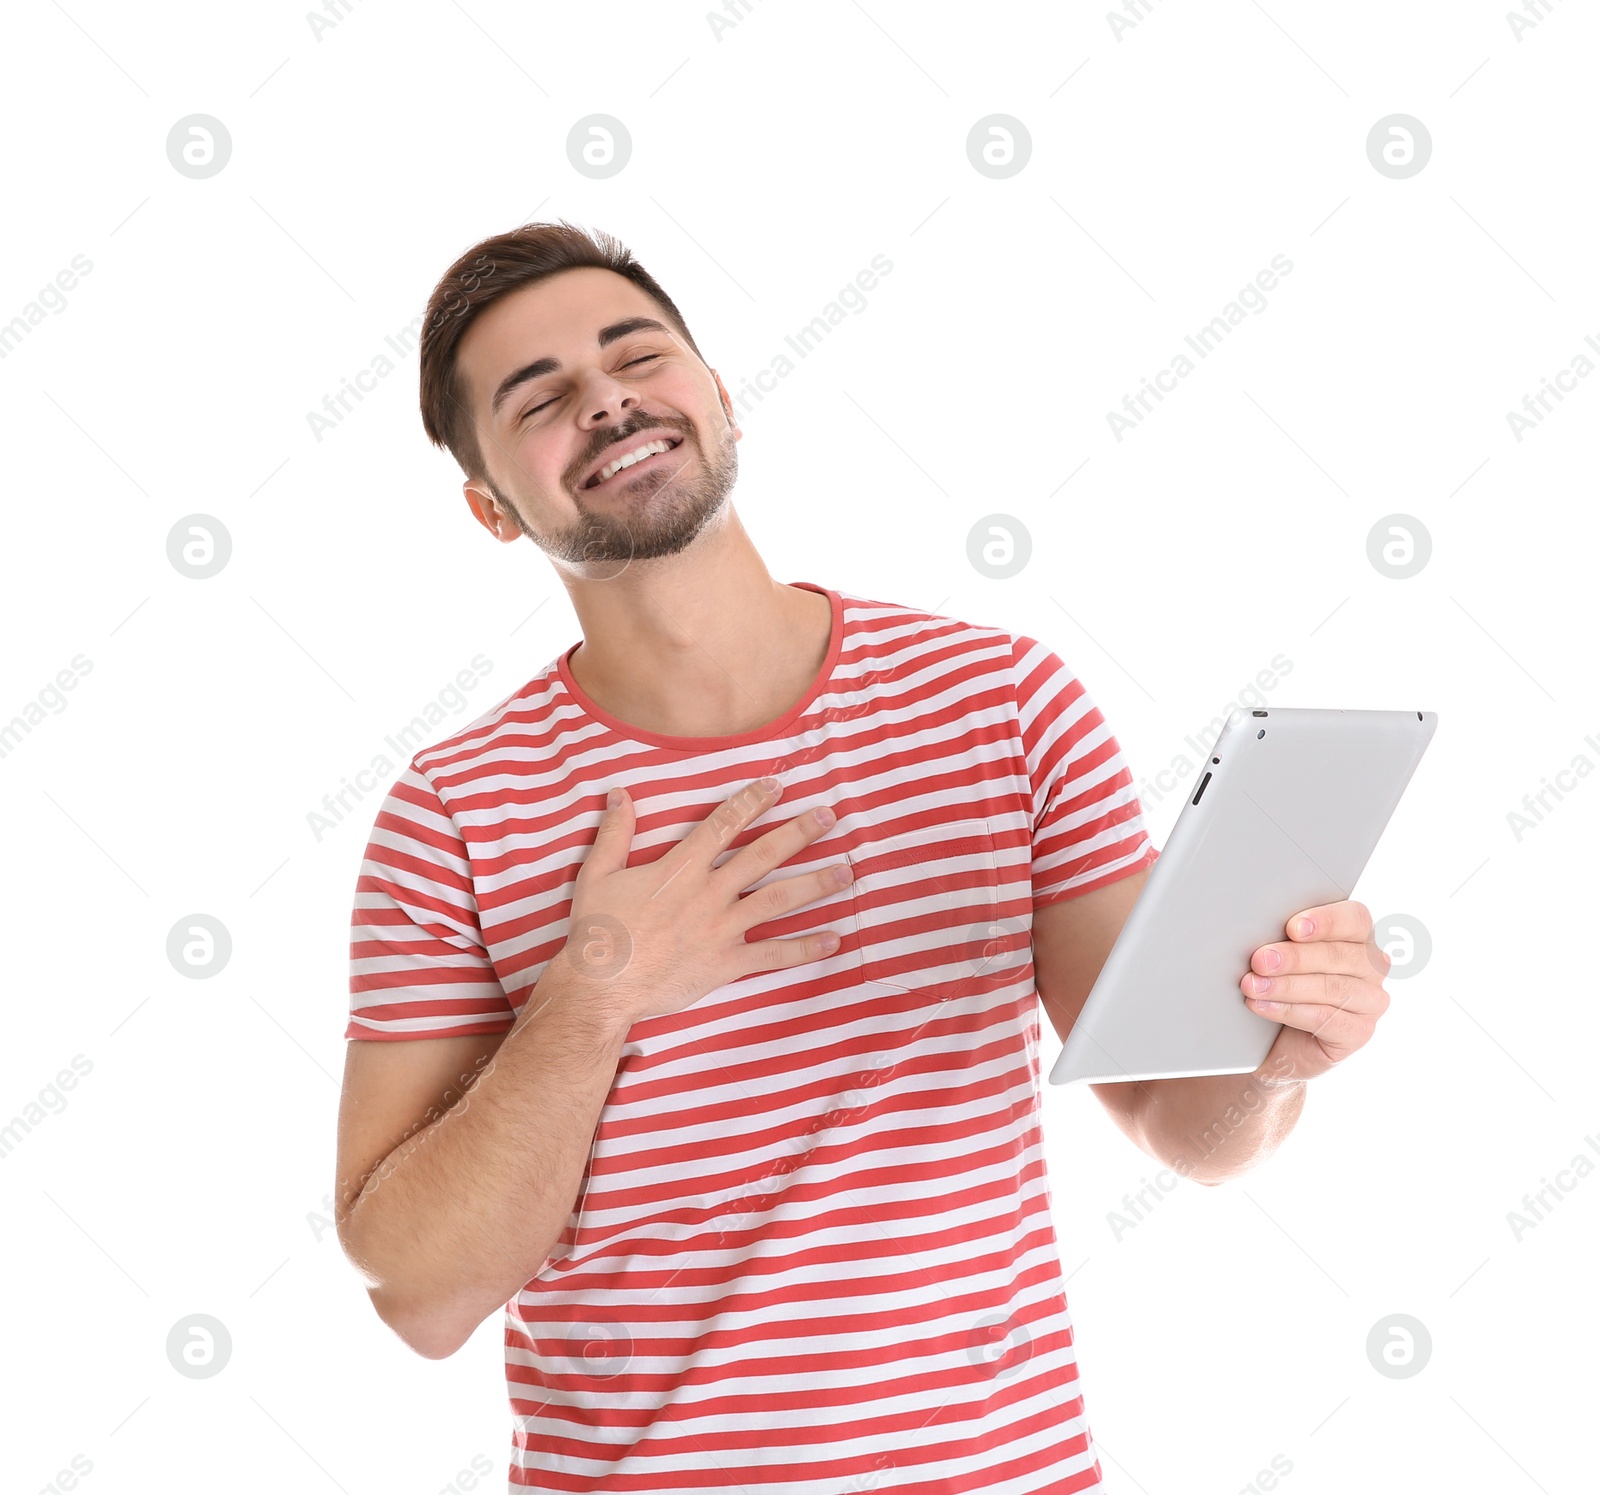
x=926, y=904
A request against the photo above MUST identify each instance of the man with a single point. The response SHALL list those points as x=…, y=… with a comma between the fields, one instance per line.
x=762, y=1212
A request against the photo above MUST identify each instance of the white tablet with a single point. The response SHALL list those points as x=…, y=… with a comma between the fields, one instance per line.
x=1285, y=815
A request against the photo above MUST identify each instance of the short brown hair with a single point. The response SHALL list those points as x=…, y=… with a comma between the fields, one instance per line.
x=487, y=272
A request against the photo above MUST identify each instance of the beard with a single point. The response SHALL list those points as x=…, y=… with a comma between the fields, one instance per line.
x=655, y=514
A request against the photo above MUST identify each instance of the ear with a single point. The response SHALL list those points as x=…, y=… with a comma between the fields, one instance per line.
x=487, y=511
x=727, y=406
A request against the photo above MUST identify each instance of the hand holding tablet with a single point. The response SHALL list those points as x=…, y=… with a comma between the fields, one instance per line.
x=1286, y=814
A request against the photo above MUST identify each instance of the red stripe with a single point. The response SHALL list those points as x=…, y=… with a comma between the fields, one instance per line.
x=788, y=1160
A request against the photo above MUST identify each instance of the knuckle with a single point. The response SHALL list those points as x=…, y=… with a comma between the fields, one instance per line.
x=772, y=899
x=1319, y=1018
x=773, y=954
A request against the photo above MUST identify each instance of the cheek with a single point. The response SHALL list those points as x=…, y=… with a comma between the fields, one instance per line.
x=543, y=471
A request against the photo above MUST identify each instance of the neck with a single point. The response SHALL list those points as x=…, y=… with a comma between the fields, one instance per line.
x=701, y=644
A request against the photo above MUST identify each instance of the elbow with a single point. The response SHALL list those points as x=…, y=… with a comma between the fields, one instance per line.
x=420, y=1322
x=429, y=1333
x=430, y=1342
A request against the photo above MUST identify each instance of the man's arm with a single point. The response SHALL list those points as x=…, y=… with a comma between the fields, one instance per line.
x=451, y=1194
x=1207, y=1127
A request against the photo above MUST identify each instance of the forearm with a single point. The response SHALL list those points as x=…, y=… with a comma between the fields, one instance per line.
x=1213, y=1127
x=459, y=1216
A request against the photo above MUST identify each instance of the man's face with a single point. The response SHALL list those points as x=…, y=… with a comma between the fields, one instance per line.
x=558, y=392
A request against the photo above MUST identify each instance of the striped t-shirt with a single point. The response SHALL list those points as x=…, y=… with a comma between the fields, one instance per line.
x=812, y=1250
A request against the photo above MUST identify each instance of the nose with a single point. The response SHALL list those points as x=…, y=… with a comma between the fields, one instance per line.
x=606, y=400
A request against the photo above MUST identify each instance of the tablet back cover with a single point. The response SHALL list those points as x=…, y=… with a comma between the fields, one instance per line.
x=1290, y=817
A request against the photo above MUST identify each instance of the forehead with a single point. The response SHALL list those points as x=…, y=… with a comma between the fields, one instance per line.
x=557, y=317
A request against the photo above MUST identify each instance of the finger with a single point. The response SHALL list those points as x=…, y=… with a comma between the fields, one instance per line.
x=612, y=841
x=785, y=895
x=1339, y=1029
x=708, y=840
x=772, y=848
x=780, y=955
x=1290, y=959
x=1345, y=920
x=1271, y=996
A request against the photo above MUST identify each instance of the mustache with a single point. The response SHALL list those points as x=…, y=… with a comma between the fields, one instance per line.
x=622, y=433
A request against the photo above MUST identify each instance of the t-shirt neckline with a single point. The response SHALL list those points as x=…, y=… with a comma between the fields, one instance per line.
x=764, y=733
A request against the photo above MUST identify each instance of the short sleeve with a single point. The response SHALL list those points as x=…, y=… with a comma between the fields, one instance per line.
x=419, y=967
x=1088, y=826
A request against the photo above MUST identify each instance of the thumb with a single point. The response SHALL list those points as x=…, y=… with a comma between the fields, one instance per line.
x=614, y=837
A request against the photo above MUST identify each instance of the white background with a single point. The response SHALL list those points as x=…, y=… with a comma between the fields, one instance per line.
x=186, y=1171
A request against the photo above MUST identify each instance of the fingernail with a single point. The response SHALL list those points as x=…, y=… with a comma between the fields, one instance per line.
x=769, y=784
x=613, y=799
x=822, y=815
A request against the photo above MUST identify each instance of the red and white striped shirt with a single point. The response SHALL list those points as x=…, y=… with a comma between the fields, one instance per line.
x=812, y=1249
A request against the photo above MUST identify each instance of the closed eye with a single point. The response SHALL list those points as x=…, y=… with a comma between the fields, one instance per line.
x=537, y=408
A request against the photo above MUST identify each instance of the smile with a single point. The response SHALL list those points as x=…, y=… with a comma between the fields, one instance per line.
x=643, y=455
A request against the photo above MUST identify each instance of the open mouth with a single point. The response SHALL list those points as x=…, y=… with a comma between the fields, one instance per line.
x=635, y=459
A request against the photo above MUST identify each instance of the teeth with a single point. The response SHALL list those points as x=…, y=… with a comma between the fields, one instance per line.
x=612, y=468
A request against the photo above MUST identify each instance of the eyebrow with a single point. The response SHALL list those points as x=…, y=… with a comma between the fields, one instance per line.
x=542, y=366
